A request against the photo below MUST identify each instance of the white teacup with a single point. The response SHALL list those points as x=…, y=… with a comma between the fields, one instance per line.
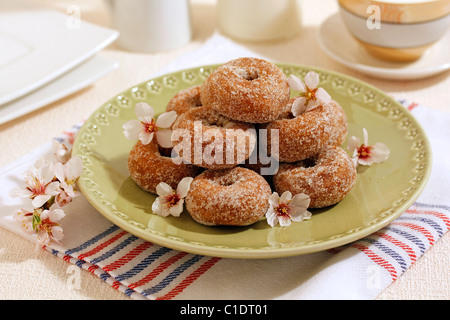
x=151, y=25
x=259, y=20
x=396, y=30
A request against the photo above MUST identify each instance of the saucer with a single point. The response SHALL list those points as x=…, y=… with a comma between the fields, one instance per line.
x=338, y=43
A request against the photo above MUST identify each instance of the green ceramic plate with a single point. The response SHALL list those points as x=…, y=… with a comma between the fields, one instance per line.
x=381, y=194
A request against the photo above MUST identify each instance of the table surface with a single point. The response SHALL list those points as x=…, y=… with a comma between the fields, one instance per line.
x=29, y=274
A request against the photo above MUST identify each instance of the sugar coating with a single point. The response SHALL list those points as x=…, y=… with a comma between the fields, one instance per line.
x=232, y=136
x=239, y=96
x=341, y=125
x=326, y=178
x=184, y=100
x=147, y=167
x=247, y=89
x=303, y=136
x=231, y=197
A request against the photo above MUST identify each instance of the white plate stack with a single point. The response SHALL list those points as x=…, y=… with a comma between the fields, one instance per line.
x=46, y=55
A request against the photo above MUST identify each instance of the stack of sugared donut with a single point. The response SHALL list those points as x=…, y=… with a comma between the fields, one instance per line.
x=233, y=104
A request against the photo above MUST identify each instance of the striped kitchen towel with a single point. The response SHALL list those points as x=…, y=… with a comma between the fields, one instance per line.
x=143, y=270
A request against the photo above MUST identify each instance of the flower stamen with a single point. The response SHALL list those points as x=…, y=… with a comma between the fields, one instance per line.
x=283, y=210
x=310, y=95
x=150, y=127
x=364, y=151
x=171, y=200
x=36, y=187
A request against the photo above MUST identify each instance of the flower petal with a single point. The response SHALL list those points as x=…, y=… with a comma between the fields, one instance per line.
x=157, y=206
x=57, y=233
x=74, y=167
x=132, y=129
x=52, y=188
x=43, y=238
x=40, y=200
x=59, y=172
x=183, y=186
x=353, y=144
x=312, y=80
x=274, y=200
x=47, y=172
x=355, y=161
x=366, y=137
x=301, y=215
x=271, y=217
x=380, y=152
x=163, y=189
x=323, y=96
x=300, y=200
x=312, y=104
x=296, y=84
x=284, y=221
x=299, y=106
x=177, y=209
x=56, y=215
x=367, y=161
x=166, y=119
x=286, y=197
x=20, y=192
x=68, y=188
x=146, y=138
x=144, y=111
x=164, y=138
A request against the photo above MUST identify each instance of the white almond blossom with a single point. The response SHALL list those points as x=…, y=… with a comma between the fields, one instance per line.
x=364, y=154
x=145, y=127
x=43, y=223
x=39, y=185
x=170, y=202
x=310, y=96
x=285, y=209
x=48, y=229
x=68, y=175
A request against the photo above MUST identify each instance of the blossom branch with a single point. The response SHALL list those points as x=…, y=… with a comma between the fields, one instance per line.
x=49, y=185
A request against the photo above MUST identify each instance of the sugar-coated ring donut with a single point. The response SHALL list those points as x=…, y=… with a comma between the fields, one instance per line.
x=231, y=197
x=247, y=89
x=184, y=100
x=148, y=167
x=207, y=139
x=303, y=136
x=326, y=178
x=341, y=125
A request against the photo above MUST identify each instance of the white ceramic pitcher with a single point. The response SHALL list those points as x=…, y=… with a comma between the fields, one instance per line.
x=259, y=20
x=151, y=25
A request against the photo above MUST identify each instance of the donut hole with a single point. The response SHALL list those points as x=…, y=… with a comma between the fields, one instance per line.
x=310, y=162
x=215, y=121
x=227, y=180
x=228, y=183
x=286, y=115
x=197, y=102
x=249, y=74
x=165, y=152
